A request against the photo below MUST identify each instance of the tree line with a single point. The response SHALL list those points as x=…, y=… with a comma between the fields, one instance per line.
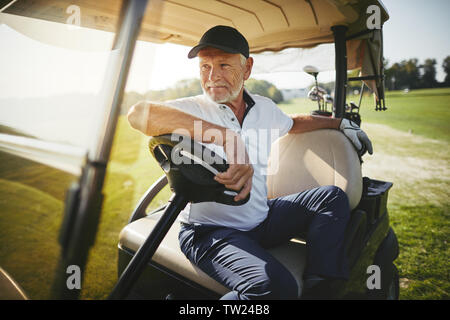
x=406, y=74
x=192, y=87
x=411, y=74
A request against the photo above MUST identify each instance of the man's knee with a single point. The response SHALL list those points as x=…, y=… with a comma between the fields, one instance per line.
x=334, y=191
x=338, y=200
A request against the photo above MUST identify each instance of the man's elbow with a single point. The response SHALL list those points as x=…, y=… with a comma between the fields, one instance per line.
x=138, y=116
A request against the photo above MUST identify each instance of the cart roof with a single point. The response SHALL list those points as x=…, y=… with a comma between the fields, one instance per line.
x=268, y=25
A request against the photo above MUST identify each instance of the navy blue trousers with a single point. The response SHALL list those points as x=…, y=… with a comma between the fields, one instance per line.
x=239, y=259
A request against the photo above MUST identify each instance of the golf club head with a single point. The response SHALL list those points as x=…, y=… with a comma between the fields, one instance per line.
x=311, y=70
x=314, y=95
x=328, y=98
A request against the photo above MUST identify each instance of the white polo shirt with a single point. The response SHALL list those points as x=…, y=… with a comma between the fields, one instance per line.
x=263, y=123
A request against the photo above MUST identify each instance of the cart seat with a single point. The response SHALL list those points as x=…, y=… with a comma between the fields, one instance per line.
x=322, y=157
x=313, y=159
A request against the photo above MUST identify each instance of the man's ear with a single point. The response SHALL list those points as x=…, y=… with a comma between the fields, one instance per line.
x=248, y=68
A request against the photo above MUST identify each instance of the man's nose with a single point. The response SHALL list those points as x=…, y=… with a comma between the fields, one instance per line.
x=215, y=74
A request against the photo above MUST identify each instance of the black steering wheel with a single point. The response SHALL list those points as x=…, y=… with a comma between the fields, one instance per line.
x=190, y=168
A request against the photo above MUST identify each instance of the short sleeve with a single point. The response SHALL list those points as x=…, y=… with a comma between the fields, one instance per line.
x=281, y=120
x=187, y=105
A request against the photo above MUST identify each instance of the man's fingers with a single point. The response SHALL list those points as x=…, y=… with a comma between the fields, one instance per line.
x=357, y=143
x=369, y=146
x=229, y=174
x=228, y=180
x=365, y=141
x=233, y=174
x=240, y=183
x=245, y=191
x=238, y=178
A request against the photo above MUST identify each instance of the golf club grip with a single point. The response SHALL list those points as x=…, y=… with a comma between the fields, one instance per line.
x=148, y=248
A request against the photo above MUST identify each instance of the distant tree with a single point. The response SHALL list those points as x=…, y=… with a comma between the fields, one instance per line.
x=264, y=88
x=258, y=86
x=428, y=79
x=389, y=78
x=275, y=94
x=412, y=73
x=192, y=87
x=393, y=75
x=446, y=67
x=182, y=88
x=403, y=75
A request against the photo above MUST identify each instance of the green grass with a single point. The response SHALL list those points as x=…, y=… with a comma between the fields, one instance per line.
x=424, y=254
x=29, y=235
x=411, y=143
x=423, y=112
x=130, y=173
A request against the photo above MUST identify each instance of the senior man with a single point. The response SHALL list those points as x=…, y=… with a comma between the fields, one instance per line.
x=229, y=242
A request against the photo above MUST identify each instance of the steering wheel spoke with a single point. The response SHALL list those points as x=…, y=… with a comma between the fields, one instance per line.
x=190, y=168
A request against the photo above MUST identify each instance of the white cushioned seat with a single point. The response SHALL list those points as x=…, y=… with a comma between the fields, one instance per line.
x=322, y=157
x=313, y=159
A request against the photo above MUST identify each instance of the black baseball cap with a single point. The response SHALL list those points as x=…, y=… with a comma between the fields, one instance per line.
x=224, y=38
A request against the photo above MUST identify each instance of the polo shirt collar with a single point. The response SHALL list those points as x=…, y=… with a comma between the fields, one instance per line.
x=248, y=99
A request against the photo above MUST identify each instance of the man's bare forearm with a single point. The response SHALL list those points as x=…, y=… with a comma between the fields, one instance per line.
x=156, y=119
x=306, y=123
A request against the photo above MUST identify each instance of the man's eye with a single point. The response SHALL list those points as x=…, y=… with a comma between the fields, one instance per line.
x=224, y=65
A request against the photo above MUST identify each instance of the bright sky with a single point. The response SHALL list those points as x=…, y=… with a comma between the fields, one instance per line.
x=416, y=28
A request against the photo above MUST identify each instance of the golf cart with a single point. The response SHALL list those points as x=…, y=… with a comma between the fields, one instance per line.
x=150, y=263
x=323, y=157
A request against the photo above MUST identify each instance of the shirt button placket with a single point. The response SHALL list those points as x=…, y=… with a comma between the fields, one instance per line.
x=232, y=117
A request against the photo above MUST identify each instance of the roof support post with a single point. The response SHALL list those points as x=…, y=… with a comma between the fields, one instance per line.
x=84, y=200
x=340, y=86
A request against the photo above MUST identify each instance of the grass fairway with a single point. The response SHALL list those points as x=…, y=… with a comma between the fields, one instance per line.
x=130, y=173
x=421, y=112
x=411, y=143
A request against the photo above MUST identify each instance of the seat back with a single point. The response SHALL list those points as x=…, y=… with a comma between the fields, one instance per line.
x=323, y=157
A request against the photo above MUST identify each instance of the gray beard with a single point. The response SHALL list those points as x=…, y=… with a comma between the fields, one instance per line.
x=231, y=97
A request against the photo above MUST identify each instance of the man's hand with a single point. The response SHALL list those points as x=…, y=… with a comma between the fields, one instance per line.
x=358, y=137
x=240, y=172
